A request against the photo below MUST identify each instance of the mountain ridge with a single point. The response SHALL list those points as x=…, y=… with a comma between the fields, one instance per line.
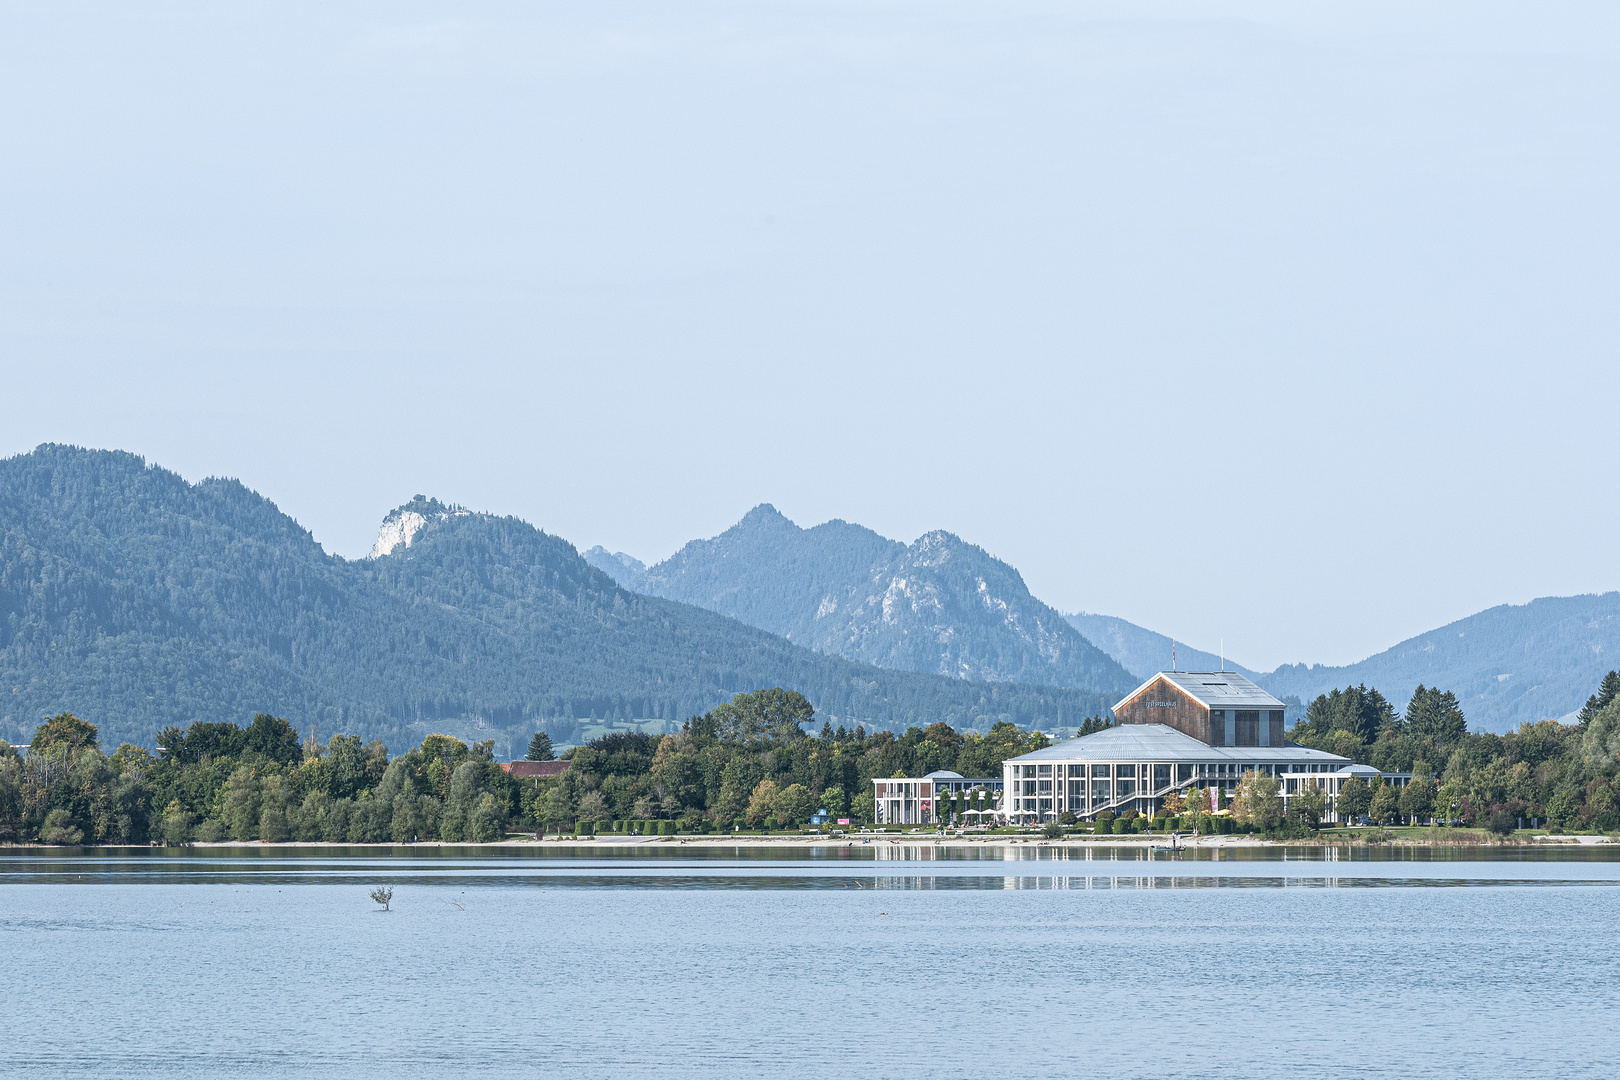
x=1508, y=664
x=939, y=604
x=137, y=600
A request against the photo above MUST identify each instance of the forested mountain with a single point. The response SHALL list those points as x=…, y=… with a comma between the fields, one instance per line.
x=137, y=600
x=938, y=605
x=1507, y=665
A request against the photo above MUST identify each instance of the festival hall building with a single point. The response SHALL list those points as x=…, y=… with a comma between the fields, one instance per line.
x=1178, y=730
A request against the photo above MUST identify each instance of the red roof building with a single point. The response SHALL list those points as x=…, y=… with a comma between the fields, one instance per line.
x=535, y=770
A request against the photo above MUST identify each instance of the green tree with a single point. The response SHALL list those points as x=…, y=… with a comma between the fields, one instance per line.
x=1310, y=804
x=540, y=748
x=833, y=800
x=1258, y=802
x=760, y=716
x=239, y=810
x=1448, y=800
x=275, y=794
x=1385, y=803
x=761, y=802
x=1600, y=743
x=557, y=811
x=66, y=733
x=593, y=807
x=793, y=805
x=60, y=828
x=176, y=824
x=1607, y=691
x=861, y=806
x=1416, y=799
x=1435, y=715
x=737, y=781
x=274, y=738
x=487, y=821
x=1363, y=712
x=1355, y=799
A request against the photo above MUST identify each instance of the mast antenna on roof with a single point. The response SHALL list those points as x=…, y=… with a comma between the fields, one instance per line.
x=1172, y=654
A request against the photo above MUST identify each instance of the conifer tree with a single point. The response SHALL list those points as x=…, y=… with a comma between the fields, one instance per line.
x=540, y=748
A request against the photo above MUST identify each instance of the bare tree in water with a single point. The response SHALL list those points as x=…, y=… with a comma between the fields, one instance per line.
x=382, y=894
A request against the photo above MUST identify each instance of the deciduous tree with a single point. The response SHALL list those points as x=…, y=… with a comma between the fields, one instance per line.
x=1258, y=802
x=1355, y=799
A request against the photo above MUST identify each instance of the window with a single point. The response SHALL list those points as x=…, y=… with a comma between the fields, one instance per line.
x=1161, y=777
x=1248, y=729
x=1124, y=770
x=1046, y=786
x=1077, y=770
x=1099, y=792
x=1046, y=805
x=1099, y=772
x=1043, y=770
x=1029, y=770
x=1077, y=793
x=1029, y=787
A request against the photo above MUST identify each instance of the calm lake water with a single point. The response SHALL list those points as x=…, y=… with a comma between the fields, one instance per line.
x=922, y=962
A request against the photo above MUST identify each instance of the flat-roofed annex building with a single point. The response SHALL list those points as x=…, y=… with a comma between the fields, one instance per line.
x=1177, y=730
x=900, y=800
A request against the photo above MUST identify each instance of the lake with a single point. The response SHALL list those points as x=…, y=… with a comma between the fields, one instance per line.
x=721, y=962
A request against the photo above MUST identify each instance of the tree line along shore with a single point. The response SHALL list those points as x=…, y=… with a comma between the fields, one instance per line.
x=748, y=763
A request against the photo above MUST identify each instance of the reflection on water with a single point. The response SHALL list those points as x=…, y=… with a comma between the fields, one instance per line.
x=876, y=866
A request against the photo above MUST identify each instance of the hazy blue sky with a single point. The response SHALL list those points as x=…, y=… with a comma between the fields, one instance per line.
x=1292, y=324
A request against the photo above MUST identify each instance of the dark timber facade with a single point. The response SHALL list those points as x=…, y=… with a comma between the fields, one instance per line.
x=1216, y=708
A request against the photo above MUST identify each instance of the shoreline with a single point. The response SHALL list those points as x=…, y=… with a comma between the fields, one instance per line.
x=1141, y=843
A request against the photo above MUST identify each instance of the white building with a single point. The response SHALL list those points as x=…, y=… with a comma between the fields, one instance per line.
x=900, y=800
x=1176, y=731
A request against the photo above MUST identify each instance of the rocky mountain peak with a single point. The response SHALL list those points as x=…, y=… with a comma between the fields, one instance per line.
x=402, y=524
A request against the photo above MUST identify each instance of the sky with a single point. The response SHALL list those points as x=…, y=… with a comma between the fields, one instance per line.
x=1285, y=325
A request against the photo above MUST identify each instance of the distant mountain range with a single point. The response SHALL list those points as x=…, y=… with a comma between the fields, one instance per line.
x=938, y=605
x=136, y=600
x=945, y=606
x=1143, y=652
x=1507, y=665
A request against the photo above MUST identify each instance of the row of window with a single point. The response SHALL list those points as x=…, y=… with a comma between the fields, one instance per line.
x=1159, y=773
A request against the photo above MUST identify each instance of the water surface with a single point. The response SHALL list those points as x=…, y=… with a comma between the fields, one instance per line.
x=686, y=961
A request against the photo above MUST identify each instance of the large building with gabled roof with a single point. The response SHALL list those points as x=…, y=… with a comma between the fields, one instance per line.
x=1220, y=708
x=1176, y=731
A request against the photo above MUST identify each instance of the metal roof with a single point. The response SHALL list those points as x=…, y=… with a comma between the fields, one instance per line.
x=1158, y=742
x=1212, y=689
